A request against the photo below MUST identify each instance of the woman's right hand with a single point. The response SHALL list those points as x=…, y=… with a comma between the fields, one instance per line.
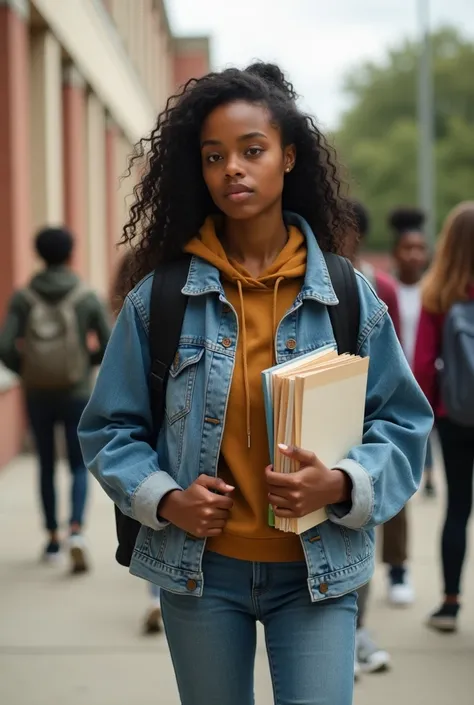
x=198, y=510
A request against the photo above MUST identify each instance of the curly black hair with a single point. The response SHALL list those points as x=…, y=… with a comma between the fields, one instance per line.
x=406, y=218
x=172, y=200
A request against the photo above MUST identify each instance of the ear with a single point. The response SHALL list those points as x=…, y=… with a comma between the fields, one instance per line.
x=289, y=157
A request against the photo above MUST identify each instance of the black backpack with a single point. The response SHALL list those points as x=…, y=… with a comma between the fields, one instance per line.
x=167, y=309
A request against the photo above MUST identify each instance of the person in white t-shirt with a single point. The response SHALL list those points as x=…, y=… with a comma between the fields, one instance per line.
x=411, y=255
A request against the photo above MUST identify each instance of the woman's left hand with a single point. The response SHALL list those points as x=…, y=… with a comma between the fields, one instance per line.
x=313, y=486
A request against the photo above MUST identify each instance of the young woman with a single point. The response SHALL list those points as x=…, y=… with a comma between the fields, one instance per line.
x=450, y=280
x=238, y=177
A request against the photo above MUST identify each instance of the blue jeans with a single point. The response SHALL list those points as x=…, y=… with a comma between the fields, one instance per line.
x=45, y=412
x=212, y=639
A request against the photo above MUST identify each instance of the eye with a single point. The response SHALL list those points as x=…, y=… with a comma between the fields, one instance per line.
x=254, y=151
x=213, y=158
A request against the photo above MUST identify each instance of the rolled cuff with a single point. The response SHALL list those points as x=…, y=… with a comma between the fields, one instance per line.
x=354, y=514
x=147, y=497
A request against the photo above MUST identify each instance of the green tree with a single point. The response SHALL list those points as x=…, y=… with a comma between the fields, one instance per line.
x=378, y=135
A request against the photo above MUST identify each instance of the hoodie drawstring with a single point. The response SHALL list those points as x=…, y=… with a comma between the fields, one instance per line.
x=244, y=348
x=244, y=360
x=275, y=322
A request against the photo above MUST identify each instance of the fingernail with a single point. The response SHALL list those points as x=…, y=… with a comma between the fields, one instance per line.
x=282, y=446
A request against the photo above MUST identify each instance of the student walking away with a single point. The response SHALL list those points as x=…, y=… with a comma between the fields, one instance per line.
x=243, y=183
x=444, y=366
x=121, y=286
x=370, y=658
x=411, y=257
x=45, y=340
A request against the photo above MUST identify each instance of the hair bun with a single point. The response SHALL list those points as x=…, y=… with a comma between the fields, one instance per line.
x=273, y=76
x=403, y=219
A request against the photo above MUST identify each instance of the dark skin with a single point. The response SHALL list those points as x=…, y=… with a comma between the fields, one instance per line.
x=411, y=256
x=244, y=166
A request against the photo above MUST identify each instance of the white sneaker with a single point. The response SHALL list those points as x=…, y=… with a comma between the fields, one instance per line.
x=370, y=658
x=52, y=553
x=401, y=594
x=78, y=553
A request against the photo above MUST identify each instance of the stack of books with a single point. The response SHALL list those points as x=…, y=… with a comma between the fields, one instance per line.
x=316, y=402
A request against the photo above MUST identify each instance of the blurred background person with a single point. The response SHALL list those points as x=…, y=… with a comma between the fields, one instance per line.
x=152, y=624
x=400, y=590
x=411, y=256
x=44, y=339
x=450, y=281
x=383, y=283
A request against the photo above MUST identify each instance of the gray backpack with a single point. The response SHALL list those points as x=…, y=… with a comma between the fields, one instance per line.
x=53, y=356
x=457, y=371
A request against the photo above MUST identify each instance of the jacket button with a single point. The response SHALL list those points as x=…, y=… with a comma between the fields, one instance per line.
x=323, y=588
x=176, y=360
x=226, y=308
x=227, y=342
x=291, y=344
x=191, y=585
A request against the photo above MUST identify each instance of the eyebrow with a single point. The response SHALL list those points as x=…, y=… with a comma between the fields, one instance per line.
x=242, y=138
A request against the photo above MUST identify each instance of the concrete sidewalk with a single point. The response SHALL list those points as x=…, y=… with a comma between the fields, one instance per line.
x=77, y=641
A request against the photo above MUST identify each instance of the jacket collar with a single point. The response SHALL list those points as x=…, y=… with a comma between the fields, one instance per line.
x=203, y=278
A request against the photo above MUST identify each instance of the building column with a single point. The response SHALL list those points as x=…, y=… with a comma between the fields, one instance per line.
x=74, y=163
x=112, y=186
x=46, y=130
x=96, y=196
x=15, y=230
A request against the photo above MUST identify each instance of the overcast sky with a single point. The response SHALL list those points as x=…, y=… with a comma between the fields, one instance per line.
x=317, y=42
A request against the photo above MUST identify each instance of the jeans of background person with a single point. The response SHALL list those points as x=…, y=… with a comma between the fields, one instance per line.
x=457, y=445
x=45, y=412
x=212, y=638
x=395, y=540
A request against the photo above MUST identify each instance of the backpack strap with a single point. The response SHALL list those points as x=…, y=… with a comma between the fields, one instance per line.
x=345, y=317
x=167, y=309
x=32, y=297
x=75, y=295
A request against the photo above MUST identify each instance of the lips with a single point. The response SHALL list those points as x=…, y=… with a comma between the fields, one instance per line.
x=237, y=188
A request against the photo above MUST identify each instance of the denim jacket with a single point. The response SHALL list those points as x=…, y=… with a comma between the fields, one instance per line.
x=385, y=469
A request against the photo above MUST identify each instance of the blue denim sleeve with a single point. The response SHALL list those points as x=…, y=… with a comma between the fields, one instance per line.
x=117, y=423
x=386, y=469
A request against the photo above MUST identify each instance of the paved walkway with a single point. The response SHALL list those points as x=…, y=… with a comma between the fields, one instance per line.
x=67, y=641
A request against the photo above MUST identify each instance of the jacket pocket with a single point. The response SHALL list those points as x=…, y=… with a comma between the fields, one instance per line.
x=180, y=387
x=358, y=544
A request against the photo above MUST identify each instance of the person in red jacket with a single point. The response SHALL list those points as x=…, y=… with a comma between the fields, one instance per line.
x=384, y=284
x=449, y=280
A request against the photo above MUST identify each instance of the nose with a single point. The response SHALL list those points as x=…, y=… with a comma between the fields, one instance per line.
x=234, y=167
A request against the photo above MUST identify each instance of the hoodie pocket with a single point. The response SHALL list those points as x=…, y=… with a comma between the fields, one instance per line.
x=180, y=387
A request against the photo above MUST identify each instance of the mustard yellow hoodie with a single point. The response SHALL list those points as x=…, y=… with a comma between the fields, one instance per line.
x=260, y=304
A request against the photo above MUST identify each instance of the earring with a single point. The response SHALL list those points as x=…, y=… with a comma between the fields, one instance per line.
x=288, y=169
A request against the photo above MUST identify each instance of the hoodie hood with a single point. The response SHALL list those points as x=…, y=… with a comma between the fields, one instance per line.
x=54, y=283
x=290, y=263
